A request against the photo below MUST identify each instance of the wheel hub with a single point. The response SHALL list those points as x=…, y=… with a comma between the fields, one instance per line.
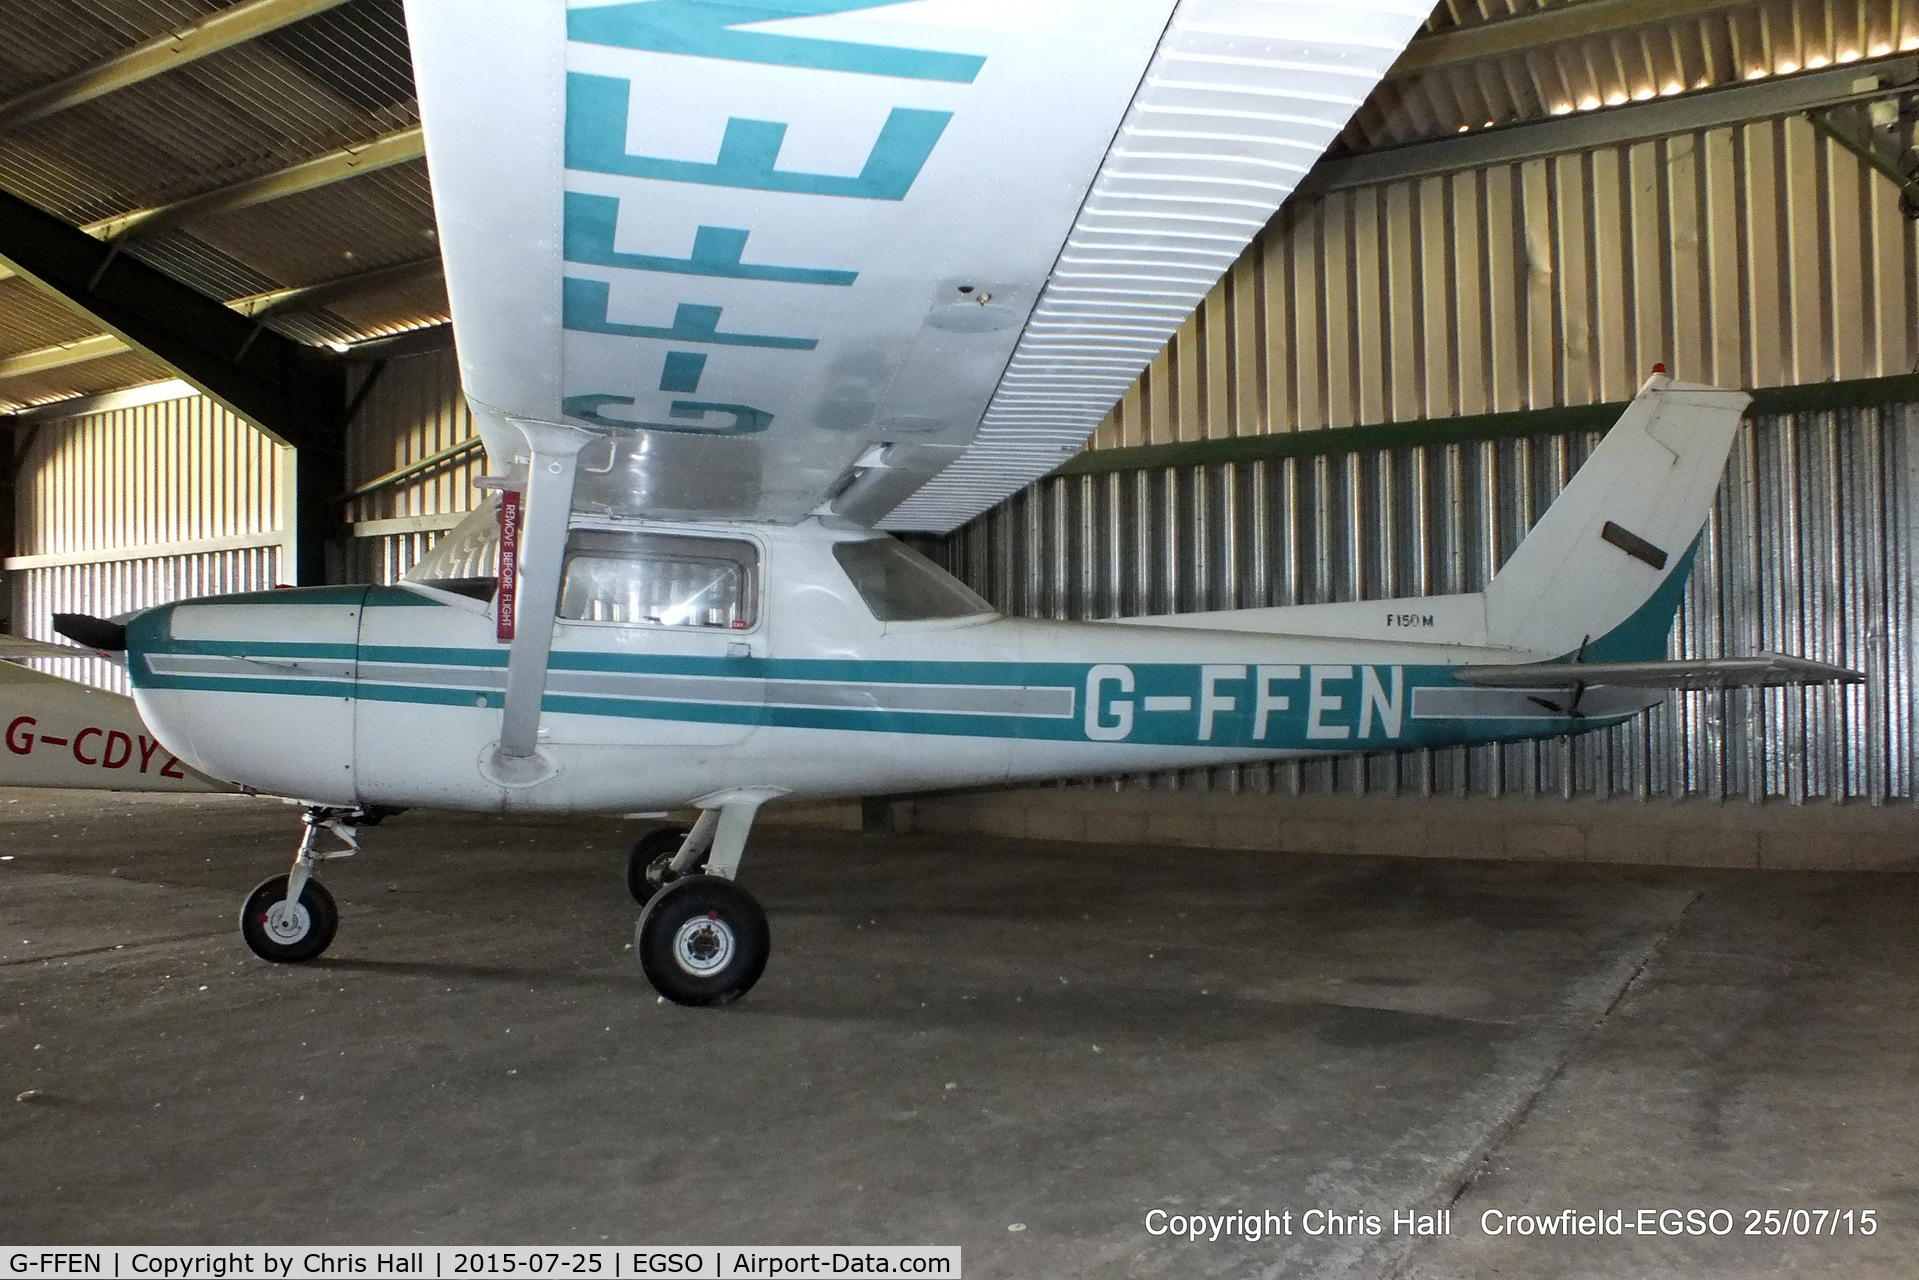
x=703, y=945
x=286, y=923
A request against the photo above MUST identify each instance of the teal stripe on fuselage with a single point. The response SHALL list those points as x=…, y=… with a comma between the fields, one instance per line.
x=353, y=595
x=1643, y=635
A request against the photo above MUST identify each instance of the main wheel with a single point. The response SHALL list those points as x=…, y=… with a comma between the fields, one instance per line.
x=702, y=940
x=288, y=936
x=646, y=865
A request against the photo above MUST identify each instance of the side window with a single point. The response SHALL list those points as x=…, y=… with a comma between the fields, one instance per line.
x=660, y=580
x=899, y=584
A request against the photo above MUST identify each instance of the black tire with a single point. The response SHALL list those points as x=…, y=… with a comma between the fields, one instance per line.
x=306, y=939
x=646, y=864
x=702, y=940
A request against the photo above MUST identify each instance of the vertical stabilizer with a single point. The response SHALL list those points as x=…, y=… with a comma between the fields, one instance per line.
x=1607, y=562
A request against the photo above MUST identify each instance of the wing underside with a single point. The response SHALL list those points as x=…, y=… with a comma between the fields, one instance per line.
x=896, y=257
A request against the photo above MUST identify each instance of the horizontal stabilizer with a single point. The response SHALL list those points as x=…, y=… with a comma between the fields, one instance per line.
x=60, y=733
x=1766, y=670
x=18, y=649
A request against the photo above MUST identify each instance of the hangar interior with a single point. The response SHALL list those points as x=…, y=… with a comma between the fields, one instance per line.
x=227, y=365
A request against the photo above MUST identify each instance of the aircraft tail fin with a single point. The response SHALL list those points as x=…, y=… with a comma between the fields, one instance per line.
x=1603, y=570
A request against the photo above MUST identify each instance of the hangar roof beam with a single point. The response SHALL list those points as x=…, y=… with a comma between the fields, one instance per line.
x=1542, y=27
x=287, y=389
x=337, y=289
x=383, y=152
x=219, y=30
x=255, y=306
x=1615, y=126
x=284, y=387
x=324, y=170
x=60, y=355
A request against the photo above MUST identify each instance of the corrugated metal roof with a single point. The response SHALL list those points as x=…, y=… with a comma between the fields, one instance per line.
x=370, y=222
x=341, y=78
x=51, y=39
x=338, y=78
x=30, y=320
x=1699, y=50
x=129, y=369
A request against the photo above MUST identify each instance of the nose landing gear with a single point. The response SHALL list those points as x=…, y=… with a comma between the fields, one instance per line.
x=292, y=918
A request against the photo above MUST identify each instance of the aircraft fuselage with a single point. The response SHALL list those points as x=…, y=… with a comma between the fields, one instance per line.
x=392, y=695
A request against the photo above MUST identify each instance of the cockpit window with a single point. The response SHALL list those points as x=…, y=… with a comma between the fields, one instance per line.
x=900, y=585
x=660, y=579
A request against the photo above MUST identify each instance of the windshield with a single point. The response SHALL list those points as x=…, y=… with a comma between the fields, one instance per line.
x=900, y=585
x=467, y=555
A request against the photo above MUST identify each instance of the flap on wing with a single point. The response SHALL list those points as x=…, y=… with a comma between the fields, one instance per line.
x=749, y=241
x=1765, y=670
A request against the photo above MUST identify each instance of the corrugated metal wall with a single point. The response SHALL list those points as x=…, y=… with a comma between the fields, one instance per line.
x=120, y=586
x=1810, y=550
x=1756, y=256
x=125, y=508
x=413, y=410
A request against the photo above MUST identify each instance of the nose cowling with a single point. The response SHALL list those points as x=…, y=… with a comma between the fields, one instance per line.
x=257, y=689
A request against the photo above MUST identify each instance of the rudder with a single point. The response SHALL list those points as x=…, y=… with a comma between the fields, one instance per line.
x=1607, y=563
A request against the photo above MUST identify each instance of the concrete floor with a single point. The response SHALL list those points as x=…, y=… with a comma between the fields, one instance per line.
x=955, y=1035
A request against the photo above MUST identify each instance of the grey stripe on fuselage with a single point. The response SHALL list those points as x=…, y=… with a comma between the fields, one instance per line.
x=1044, y=701
x=211, y=664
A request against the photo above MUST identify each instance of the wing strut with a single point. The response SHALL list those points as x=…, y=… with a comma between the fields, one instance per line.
x=515, y=760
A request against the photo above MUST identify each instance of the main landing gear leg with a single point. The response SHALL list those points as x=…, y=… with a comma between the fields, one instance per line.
x=292, y=918
x=664, y=854
x=703, y=939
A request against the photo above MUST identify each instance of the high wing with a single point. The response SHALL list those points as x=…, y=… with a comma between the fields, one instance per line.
x=900, y=257
x=1764, y=671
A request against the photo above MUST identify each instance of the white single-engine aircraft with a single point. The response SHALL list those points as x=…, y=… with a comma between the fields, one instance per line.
x=735, y=282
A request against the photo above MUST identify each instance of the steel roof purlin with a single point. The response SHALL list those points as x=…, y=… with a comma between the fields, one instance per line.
x=220, y=30
x=216, y=143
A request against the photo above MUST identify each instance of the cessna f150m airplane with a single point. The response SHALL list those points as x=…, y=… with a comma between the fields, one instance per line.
x=737, y=281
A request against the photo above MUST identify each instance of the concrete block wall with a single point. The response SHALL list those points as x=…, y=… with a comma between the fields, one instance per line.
x=1774, y=836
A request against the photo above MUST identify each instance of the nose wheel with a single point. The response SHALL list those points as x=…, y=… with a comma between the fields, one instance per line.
x=292, y=918
x=288, y=932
